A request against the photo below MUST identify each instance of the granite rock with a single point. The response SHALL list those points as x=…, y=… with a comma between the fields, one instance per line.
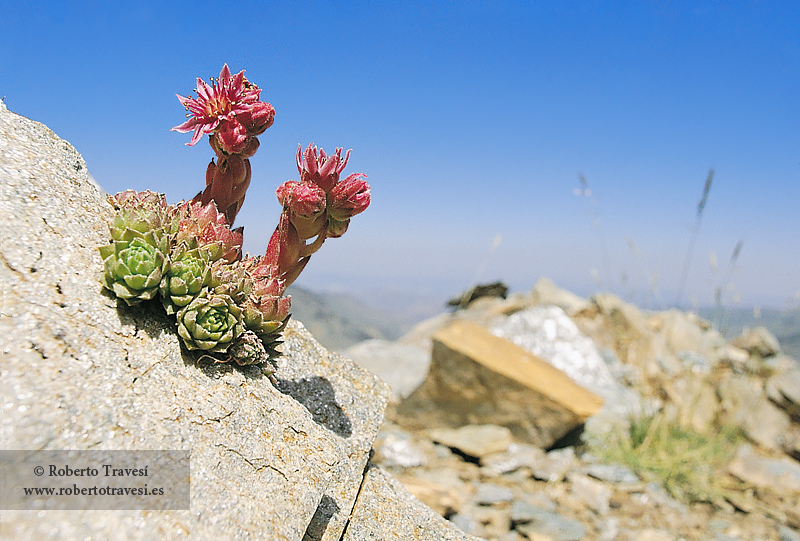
x=81, y=371
x=549, y=333
x=385, y=510
x=349, y=402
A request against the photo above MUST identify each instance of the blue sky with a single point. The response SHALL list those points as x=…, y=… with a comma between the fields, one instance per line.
x=473, y=121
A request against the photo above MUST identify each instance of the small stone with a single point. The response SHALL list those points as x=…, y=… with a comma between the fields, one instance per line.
x=474, y=440
x=654, y=535
x=553, y=525
x=442, y=498
x=775, y=473
x=490, y=494
x=745, y=405
x=517, y=455
x=396, y=449
x=466, y=523
x=730, y=354
x=554, y=465
x=788, y=534
x=784, y=390
x=532, y=506
x=611, y=473
x=591, y=492
x=759, y=341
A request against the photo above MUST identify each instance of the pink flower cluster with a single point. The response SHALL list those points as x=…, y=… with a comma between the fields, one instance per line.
x=231, y=113
x=317, y=207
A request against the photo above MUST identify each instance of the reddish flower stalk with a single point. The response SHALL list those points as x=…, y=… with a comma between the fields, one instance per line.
x=318, y=207
x=231, y=113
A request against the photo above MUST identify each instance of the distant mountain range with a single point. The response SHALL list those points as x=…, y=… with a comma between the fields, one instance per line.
x=338, y=321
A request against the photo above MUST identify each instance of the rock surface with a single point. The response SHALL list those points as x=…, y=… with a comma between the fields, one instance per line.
x=478, y=378
x=81, y=371
x=402, y=366
x=387, y=511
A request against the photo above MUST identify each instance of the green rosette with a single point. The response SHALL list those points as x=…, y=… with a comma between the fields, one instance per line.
x=138, y=211
x=210, y=323
x=188, y=276
x=134, y=265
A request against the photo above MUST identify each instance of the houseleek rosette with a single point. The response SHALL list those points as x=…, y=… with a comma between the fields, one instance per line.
x=188, y=275
x=230, y=279
x=134, y=265
x=210, y=323
x=248, y=349
x=138, y=211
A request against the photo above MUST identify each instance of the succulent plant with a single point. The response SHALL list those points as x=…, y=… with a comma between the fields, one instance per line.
x=231, y=279
x=134, y=265
x=203, y=224
x=247, y=349
x=210, y=323
x=138, y=211
x=188, y=252
x=188, y=276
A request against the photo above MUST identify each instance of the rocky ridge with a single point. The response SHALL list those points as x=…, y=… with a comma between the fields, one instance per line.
x=82, y=371
x=670, y=369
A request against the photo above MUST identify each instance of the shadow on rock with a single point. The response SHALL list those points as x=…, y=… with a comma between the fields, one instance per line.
x=148, y=316
x=322, y=517
x=319, y=398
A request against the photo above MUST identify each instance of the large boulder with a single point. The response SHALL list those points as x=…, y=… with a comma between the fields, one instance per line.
x=82, y=371
x=476, y=377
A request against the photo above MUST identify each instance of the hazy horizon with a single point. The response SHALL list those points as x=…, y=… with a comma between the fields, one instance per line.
x=474, y=122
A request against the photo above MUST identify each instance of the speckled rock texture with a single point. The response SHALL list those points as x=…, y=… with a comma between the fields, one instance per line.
x=386, y=511
x=81, y=371
x=349, y=402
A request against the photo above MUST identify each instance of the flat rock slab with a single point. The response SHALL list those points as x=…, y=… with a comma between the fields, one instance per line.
x=478, y=378
x=82, y=372
x=386, y=511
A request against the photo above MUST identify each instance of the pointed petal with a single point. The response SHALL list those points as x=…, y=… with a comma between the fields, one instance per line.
x=346, y=158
